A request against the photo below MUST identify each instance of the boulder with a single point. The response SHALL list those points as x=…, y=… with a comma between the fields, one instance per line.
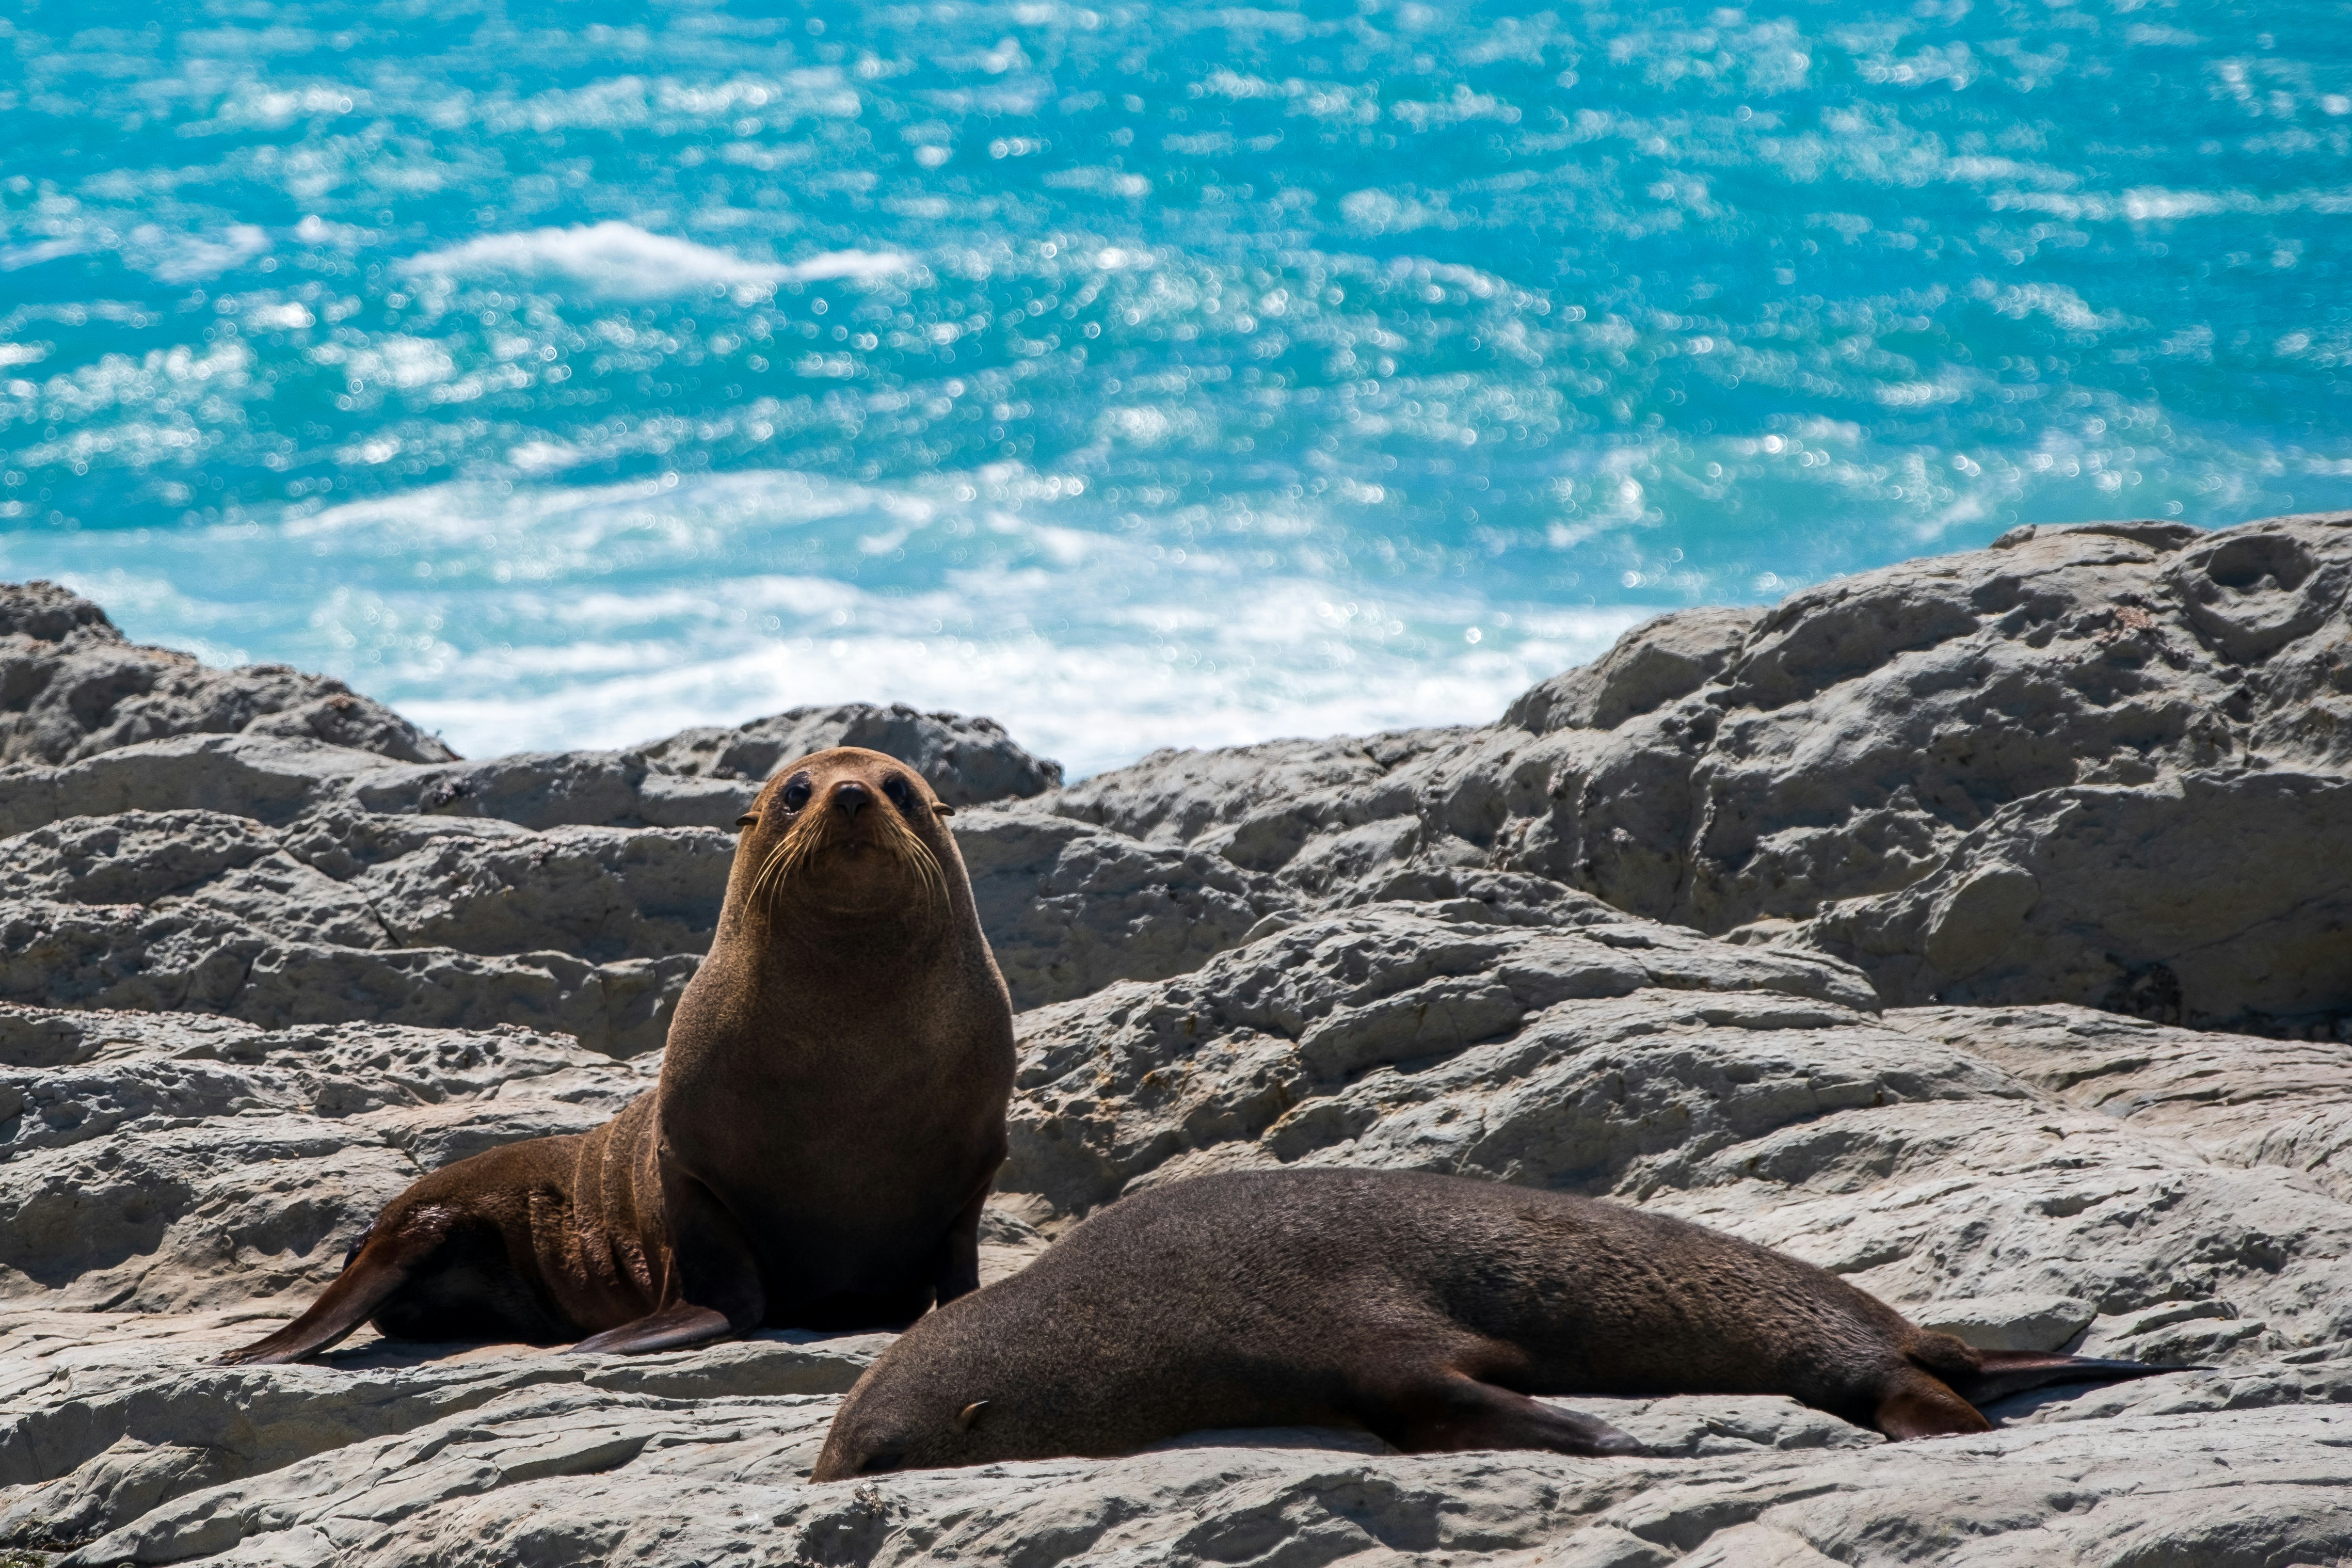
x=967, y=761
x=71, y=686
x=2097, y=764
x=285, y=876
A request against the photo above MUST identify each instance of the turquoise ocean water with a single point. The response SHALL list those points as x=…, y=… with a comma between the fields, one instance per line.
x=567, y=372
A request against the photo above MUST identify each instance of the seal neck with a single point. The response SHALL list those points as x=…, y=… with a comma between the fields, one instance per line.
x=790, y=939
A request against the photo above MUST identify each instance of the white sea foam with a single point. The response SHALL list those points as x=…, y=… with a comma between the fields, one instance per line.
x=191, y=259
x=623, y=261
x=591, y=616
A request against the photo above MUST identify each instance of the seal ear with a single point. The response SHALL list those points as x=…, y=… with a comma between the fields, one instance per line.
x=946, y=811
x=746, y=819
x=969, y=1413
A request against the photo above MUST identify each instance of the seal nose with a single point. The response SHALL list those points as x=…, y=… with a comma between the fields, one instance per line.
x=850, y=797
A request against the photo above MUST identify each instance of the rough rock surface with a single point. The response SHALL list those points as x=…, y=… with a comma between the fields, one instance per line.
x=2056, y=1176
x=2104, y=765
x=1986, y=834
x=71, y=686
x=286, y=881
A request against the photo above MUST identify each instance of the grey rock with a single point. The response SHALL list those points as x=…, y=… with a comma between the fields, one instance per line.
x=72, y=687
x=2237, y=1099
x=190, y=957
x=106, y=1418
x=2018, y=1323
x=555, y=789
x=270, y=779
x=158, y=1161
x=284, y=880
x=2028, y=793
x=1641, y=1062
x=1069, y=907
x=582, y=1471
x=2209, y=899
x=1755, y=1089
x=1649, y=667
x=1929, y=770
x=708, y=777
x=966, y=761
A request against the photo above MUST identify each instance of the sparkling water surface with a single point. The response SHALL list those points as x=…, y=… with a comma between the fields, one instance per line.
x=1180, y=374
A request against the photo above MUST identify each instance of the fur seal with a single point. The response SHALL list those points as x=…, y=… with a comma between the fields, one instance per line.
x=1426, y=1309
x=828, y=1118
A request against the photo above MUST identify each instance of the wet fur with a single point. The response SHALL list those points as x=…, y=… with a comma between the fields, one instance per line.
x=1426, y=1309
x=829, y=1115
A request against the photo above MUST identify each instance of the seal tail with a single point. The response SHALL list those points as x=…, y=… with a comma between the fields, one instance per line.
x=376, y=1269
x=2003, y=1372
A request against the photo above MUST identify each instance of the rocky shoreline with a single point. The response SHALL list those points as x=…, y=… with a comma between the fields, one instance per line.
x=1976, y=928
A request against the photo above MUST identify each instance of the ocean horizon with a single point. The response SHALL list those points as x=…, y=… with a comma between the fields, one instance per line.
x=564, y=375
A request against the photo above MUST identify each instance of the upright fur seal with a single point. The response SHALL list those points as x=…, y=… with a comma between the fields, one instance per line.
x=816, y=1155
x=1426, y=1309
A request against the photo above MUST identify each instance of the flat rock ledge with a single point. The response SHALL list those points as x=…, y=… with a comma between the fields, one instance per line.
x=1971, y=929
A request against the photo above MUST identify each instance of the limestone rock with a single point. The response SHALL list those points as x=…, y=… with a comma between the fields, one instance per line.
x=485, y=1462
x=2017, y=1175
x=105, y=1418
x=1918, y=760
x=1069, y=907
x=189, y=957
x=72, y=687
x=2237, y=1099
x=966, y=761
x=708, y=777
x=2014, y=1323
x=1649, y=667
x=1968, y=819
x=284, y=880
x=2210, y=899
x=1749, y=1089
x=156, y=1161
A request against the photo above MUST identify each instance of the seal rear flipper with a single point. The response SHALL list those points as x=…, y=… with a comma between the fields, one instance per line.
x=2004, y=1372
x=1457, y=1412
x=384, y=1260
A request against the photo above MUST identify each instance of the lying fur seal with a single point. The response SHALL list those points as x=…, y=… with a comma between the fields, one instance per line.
x=829, y=1114
x=1426, y=1309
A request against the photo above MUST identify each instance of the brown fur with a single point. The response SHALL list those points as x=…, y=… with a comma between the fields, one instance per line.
x=1426, y=1309
x=829, y=1115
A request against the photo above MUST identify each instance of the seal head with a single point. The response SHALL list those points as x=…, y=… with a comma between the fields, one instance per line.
x=847, y=834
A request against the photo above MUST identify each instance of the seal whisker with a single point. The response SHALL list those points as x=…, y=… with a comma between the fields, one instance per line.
x=800, y=842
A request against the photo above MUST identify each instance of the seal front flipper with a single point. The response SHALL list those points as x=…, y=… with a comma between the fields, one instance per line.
x=673, y=1328
x=715, y=1277
x=1452, y=1412
x=959, y=1265
x=383, y=1261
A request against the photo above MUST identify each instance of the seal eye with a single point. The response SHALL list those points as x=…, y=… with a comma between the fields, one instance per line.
x=901, y=793
x=796, y=794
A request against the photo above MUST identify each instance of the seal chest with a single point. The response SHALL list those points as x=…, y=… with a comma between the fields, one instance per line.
x=1427, y=1310
x=830, y=1112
